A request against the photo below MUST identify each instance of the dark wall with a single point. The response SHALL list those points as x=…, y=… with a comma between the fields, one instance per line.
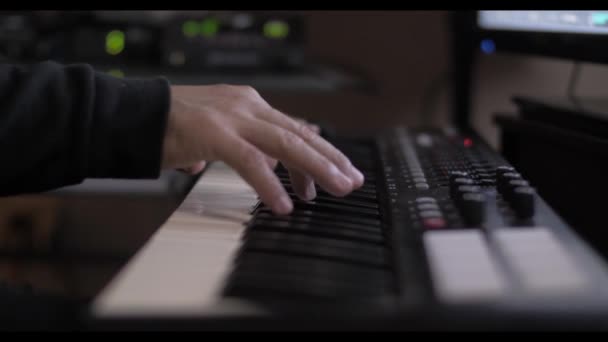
x=402, y=51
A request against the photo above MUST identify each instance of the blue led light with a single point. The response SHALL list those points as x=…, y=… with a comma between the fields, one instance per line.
x=488, y=46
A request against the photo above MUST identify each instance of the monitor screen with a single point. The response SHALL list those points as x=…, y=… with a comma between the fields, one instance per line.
x=572, y=35
x=583, y=22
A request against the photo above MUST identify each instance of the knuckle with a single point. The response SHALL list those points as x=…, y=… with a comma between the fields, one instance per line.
x=304, y=131
x=249, y=91
x=289, y=139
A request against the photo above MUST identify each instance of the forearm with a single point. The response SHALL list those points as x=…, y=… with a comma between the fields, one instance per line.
x=61, y=124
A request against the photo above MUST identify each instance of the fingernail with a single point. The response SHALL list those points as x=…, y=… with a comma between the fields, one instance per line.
x=284, y=206
x=311, y=192
x=359, y=178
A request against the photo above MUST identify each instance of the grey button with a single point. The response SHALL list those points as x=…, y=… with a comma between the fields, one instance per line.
x=425, y=200
x=430, y=213
x=428, y=206
x=419, y=179
x=422, y=186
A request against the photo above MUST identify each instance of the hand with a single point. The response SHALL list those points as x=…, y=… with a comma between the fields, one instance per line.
x=235, y=125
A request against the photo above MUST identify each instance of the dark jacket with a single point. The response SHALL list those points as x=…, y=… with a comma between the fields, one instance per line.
x=60, y=124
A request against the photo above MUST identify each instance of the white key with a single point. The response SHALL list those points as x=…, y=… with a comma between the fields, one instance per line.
x=542, y=264
x=462, y=267
x=182, y=268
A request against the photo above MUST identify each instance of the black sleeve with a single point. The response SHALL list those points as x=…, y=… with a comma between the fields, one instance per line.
x=60, y=124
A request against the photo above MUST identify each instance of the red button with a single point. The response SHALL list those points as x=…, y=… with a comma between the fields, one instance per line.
x=434, y=223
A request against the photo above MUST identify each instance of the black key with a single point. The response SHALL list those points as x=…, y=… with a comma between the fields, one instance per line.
x=358, y=196
x=329, y=208
x=302, y=215
x=322, y=248
x=321, y=199
x=353, y=275
x=335, y=208
x=317, y=230
x=367, y=187
x=329, y=223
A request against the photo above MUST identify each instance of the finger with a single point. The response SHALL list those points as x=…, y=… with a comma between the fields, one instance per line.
x=295, y=153
x=313, y=127
x=272, y=163
x=194, y=169
x=252, y=165
x=321, y=145
x=303, y=185
x=197, y=168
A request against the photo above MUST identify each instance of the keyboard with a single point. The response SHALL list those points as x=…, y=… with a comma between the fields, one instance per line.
x=444, y=233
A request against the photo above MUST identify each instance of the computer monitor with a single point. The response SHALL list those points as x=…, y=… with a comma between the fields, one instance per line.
x=578, y=36
x=572, y=35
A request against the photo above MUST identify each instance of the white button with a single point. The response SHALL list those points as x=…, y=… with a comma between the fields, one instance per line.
x=540, y=261
x=461, y=266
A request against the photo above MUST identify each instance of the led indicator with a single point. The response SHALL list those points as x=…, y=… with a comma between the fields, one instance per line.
x=115, y=42
x=190, y=28
x=468, y=142
x=488, y=46
x=276, y=29
x=209, y=27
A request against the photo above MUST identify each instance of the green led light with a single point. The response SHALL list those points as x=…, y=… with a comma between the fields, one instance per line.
x=115, y=42
x=276, y=29
x=209, y=27
x=190, y=28
x=116, y=73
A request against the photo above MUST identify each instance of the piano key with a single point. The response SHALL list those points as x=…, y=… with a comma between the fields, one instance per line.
x=317, y=230
x=363, y=197
x=361, y=282
x=332, y=222
x=356, y=275
x=336, y=208
x=199, y=247
x=338, y=201
x=190, y=253
x=315, y=247
x=366, y=189
x=301, y=206
x=367, y=225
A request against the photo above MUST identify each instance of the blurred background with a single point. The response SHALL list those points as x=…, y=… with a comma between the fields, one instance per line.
x=356, y=71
